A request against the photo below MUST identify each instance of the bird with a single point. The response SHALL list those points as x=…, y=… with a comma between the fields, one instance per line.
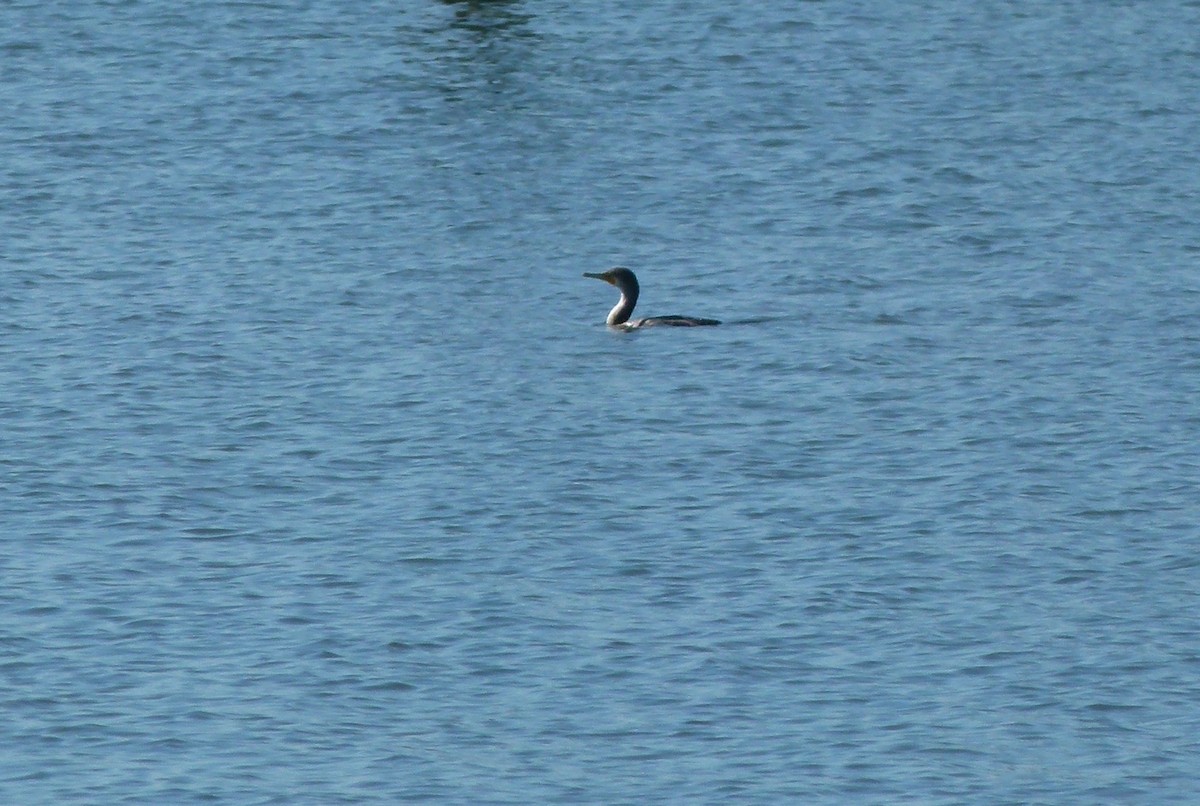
x=627, y=283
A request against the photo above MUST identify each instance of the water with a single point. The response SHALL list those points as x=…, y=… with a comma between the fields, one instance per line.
x=322, y=480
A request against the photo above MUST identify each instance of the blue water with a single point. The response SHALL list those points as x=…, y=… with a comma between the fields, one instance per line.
x=322, y=480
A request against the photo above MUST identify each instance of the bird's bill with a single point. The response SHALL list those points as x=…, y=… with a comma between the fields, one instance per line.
x=596, y=276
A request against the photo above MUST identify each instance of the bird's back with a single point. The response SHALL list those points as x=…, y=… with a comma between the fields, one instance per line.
x=674, y=321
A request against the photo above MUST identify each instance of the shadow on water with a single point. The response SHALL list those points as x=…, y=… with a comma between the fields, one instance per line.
x=488, y=18
x=487, y=50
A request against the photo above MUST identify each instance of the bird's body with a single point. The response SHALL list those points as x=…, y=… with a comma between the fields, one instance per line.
x=627, y=283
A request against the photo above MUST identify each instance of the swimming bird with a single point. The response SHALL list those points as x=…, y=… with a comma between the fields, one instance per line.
x=627, y=283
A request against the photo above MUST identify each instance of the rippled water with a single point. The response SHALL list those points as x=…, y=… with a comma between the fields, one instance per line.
x=322, y=480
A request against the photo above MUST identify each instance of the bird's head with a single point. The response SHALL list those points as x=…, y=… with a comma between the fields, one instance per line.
x=621, y=277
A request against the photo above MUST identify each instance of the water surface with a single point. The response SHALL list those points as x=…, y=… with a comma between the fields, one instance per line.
x=323, y=481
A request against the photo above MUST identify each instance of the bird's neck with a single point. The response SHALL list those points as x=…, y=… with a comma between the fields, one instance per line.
x=622, y=310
